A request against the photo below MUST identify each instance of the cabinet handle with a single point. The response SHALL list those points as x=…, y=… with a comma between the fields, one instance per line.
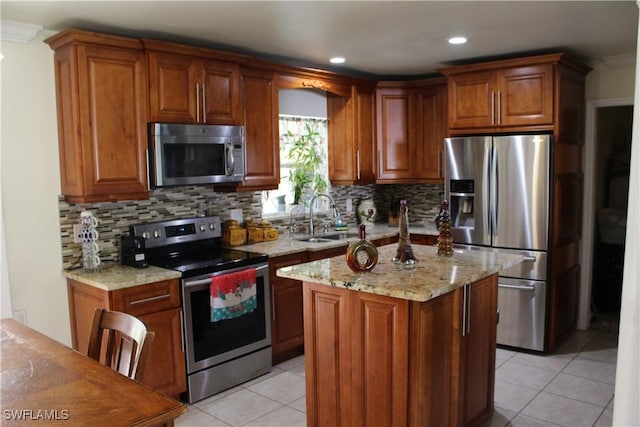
x=468, y=309
x=197, y=102
x=379, y=164
x=493, y=108
x=499, y=109
x=182, y=341
x=464, y=310
x=358, y=164
x=143, y=300
x=204, y=105
x=273, y=304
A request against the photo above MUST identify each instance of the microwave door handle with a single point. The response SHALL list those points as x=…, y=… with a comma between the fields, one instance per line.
x=231, y=161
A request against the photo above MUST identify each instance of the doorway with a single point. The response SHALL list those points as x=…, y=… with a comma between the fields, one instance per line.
x=606, y=166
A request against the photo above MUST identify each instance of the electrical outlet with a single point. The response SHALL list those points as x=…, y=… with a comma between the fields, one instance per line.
x=77, y=233
x=349, y=205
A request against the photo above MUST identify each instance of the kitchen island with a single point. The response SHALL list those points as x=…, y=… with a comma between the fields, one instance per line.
x=401, y=346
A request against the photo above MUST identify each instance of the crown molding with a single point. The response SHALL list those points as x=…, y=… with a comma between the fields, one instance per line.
x=19, y=32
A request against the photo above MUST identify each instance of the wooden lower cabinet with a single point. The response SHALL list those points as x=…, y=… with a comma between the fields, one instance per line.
x=377, y=360
x=158, y=306
x=287, y=333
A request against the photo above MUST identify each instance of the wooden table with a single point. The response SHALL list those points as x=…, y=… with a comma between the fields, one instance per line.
x=44, y=382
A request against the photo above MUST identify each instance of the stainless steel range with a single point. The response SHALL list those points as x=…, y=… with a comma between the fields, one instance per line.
x=223, y=353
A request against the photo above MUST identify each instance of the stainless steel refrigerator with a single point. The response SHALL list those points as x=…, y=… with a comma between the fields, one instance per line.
x=498, y=191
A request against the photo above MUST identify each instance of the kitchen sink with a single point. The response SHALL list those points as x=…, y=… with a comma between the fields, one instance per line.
x=327, y=237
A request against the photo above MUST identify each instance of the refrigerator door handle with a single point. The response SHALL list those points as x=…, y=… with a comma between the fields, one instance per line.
x=487, y=189
x=495, y=197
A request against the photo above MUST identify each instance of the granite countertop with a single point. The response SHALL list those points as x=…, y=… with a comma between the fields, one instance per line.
x=112, y=276
x=431, y=277
x=287, y=244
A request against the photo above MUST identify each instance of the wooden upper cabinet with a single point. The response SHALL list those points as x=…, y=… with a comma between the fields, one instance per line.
x=260, y=99
x=411, y=127
x=101, y=90
x=396, y=143
x=351, y=137
x=191, y=89
x=502, y=95
x=431, y=128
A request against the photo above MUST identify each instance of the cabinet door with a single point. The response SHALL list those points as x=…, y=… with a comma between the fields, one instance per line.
x=394, y=147
x=471, y=100
x=221, y=98
x=525, y=96
x=431, y=106
x=261, y=130
x=350, y=134
x=478, y=351
x=364, y=116
x=327, y=343
x=165, y=370
x=287, y=332
x=172, y=97
x=380, y=329
x=113, y=114
x=341, y=153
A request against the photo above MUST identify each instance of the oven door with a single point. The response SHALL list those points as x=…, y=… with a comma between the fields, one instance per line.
x=211, y=343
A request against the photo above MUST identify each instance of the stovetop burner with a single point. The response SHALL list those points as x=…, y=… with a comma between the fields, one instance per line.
x=198, y=263
x=191, y=246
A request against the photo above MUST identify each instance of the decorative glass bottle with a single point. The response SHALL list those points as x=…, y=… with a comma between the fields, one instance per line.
x=445, y=241
x=404, y=255
x=362, y=255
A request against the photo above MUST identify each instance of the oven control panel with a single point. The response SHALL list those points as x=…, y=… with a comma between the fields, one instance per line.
x=165, y=233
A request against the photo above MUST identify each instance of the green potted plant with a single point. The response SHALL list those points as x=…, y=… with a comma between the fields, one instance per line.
x=305, y=151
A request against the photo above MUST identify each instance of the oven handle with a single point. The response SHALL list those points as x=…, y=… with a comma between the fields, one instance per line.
x=205, y=281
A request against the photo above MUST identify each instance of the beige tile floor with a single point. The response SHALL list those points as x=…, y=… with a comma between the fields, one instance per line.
x=572, y=387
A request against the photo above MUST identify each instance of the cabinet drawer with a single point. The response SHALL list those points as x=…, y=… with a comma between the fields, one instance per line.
x=149, y=298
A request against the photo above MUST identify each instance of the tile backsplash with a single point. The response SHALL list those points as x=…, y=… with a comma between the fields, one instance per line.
x=114, y=218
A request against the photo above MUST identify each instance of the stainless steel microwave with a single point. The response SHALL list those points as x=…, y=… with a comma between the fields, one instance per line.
x=186, y=154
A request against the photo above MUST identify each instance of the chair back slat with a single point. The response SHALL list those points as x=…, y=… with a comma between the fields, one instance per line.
x=126, y=339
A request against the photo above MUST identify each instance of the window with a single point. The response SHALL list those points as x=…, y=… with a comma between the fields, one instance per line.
x=292, y=128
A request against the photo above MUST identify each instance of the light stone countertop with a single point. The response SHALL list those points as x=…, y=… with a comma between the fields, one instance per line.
x=287, y=244
x=112, y=276
x=431, y=277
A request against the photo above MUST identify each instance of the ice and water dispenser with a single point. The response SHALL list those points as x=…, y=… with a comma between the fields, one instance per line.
x=462, y=194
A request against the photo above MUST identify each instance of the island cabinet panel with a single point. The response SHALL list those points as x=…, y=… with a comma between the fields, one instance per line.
x=385, y=361
x=478, y=351
x=101, y=91
x=380, y=359
x=192, y=89
x=287, y=332
x=158, y=306
x=327, y=339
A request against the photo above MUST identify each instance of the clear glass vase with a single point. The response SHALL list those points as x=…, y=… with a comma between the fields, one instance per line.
x=404, y=255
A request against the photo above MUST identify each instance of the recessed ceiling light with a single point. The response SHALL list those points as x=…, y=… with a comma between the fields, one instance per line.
x=457, y=40
x=337, y=60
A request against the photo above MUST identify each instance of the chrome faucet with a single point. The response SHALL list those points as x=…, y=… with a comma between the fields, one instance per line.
x=312, y=229
x=292, y=225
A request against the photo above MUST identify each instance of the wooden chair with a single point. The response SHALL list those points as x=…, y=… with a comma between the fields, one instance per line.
x=127, y=342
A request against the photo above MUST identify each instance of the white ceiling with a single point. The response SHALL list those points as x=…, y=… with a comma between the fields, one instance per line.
x=383, y=38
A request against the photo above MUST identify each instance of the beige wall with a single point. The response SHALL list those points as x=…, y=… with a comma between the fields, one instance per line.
x=611, y=81
x=30, y=187
x=30, y=178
